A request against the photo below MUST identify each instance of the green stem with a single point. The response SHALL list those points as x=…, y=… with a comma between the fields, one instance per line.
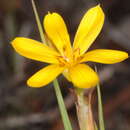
x=64, y=115
x=63, y=111
x=100, y=109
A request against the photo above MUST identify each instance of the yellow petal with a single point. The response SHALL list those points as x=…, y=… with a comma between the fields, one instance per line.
x=45, y=76
x=82, y=76
x=105, y=56
x=34, y=50
x=89, y=28
x=56, y=30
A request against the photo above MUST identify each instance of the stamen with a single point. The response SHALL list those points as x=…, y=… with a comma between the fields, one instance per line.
x=66, y=58
x=77, y=50
x=61, y=60
x=76, y=53
x=64, y=48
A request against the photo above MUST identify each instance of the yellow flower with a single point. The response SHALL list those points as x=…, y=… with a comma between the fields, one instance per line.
x=66, y=59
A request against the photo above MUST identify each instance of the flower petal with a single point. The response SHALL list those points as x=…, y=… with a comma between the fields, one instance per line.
x=105, y=56
x=45, y=76
x=82, y=76
x=34, y=50
x=56, y=30
x=89, y=28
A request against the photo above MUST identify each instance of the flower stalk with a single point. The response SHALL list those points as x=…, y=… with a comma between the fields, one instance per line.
x=84, y=110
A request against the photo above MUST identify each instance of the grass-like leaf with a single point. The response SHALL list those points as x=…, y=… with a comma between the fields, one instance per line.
x=64, y=115
x=63, y=111
x=100, y=108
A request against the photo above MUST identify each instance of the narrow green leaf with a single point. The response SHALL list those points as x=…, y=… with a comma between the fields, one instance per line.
x=100, y=109
x=64, y=115
x=38, y=23
x=63, y=111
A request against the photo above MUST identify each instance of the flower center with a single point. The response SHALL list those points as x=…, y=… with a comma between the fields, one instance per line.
x=70, y=61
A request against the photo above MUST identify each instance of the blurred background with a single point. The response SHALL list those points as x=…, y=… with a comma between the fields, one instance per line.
x=24, y=108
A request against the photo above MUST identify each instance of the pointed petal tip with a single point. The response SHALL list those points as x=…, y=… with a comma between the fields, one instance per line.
x=98, y=6
x=50, y=14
